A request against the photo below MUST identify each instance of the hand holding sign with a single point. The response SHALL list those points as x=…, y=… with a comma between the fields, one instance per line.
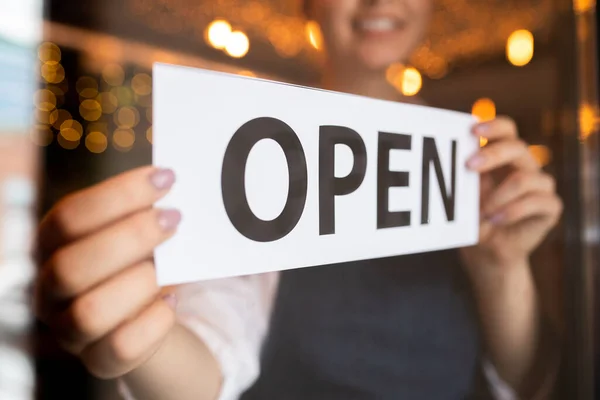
x=97, y=287
x=518, y=200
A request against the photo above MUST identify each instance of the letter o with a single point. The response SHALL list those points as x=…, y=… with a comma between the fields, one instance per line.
x=233, y=183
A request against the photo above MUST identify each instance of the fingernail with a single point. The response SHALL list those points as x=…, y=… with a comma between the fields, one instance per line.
x=476, y=161
x=496, y=218
x=481, y=128
x=171, y=300
x=169, y=219
x=162, y=179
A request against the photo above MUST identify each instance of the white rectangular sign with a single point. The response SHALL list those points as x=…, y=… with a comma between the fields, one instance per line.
x=273, y=176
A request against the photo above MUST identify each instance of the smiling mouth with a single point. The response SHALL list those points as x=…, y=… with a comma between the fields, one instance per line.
x=381, y=25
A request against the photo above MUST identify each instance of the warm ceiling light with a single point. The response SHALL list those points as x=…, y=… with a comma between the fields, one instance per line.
x=237, y=44
x=519, y=47
x=217, y=33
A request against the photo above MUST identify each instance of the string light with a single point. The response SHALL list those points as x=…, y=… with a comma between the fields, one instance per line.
x=71, y=130
x=90, y=110
x=67, y=144
x=113, y=74
x=237, y=44
x=123, y=94
x=218, y=33
x=142, y=84
x=519, y=47
x=87, y=87
x=149, y=134
x=53, y=73
x=49, y=53
x=44, y=100
x=42, y=116
x=108, y=102
x=57, y=117
x=123, y=139
x=127, y=117
x=96, y=142
x=59, y=94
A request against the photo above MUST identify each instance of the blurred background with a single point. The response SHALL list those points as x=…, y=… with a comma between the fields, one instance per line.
x=76, y=108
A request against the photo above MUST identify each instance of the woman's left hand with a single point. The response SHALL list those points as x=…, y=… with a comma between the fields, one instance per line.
x=519, y=204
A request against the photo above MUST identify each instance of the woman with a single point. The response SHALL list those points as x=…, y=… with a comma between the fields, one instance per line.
x=413, y=327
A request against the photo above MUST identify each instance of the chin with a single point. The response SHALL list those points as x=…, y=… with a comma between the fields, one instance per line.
x=378, y=60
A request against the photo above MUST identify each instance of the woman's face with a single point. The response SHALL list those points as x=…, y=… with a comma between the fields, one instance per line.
x=372, y=33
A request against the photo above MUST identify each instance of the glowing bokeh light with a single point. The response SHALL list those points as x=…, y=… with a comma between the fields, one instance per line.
x=519, y=47
x=96, y=142
x=484, y=109
x=87, y=87
x=49, y=53
x=67, y=144
x=217, y=33
x=71, y=130
x=123, y=139
x=142, y=84
x=127, y=117
x=314, y=35
x=44, y=100
x=237, y=44
x=57, y=117
x=90, y=110
x=108, y=102
x=53, y=73
x=113, y=74
x=411, y=82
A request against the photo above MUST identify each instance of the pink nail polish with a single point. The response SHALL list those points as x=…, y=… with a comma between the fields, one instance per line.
x=169, y=219
x=171, y=300
x=481, y=128
x=475, y=161
x=162, y=179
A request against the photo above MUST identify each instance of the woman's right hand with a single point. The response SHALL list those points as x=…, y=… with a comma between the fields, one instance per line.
x=97, y=288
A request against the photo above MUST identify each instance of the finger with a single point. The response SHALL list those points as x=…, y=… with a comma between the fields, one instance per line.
x=504, y=153
x=515, y=186
x=131, y=344
x=486, y=188
x=78, y=267
x=500, y=128
x=534, y=205
x=87, y=211
x=96, y=313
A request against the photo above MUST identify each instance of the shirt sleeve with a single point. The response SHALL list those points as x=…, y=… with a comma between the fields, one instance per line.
x=500, y=390
x=231, y=316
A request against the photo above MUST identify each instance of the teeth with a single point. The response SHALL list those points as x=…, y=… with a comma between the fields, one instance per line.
x=380, y=24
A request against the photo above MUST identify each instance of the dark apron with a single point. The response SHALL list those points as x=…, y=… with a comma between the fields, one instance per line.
x=394, y=328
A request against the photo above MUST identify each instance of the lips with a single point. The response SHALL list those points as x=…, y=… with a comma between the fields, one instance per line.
x=377, y=25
